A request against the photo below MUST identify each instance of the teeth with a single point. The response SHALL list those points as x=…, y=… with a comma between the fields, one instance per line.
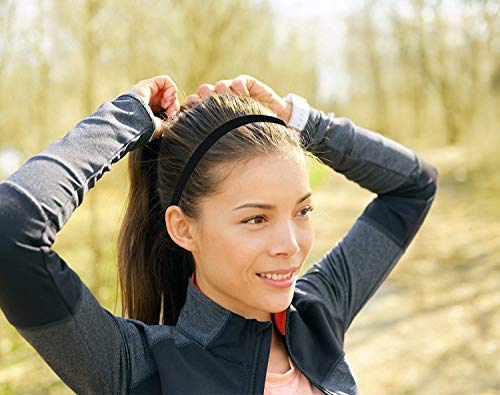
x=275, y=276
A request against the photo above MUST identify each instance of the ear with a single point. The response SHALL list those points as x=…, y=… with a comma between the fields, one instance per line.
x=180, y=228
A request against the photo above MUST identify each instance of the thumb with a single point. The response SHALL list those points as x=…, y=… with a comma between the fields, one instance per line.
x=158, y=92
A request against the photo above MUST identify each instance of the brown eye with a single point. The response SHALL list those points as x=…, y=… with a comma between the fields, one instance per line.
x=306, y=210
x=251, y=219
x=260, y=218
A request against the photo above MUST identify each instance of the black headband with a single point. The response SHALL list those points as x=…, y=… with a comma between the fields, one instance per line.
x=211, y=139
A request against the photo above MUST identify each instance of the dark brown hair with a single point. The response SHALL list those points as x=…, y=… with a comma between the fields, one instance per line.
x=153, y=270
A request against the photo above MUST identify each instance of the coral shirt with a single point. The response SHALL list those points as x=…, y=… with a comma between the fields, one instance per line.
x=290, y=382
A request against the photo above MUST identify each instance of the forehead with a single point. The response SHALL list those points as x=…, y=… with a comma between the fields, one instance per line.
x=270, y=180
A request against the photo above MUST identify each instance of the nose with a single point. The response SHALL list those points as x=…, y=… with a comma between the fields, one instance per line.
x=284, y=240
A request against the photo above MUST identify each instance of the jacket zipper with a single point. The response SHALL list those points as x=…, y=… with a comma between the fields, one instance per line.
x=254, y=365
x=328, y=392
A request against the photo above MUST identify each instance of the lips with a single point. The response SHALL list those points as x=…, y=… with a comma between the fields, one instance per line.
x=280, y=271
x=279, y=283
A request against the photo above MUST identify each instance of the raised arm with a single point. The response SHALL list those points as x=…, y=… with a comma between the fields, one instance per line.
x=405, y=184
x=89, y=348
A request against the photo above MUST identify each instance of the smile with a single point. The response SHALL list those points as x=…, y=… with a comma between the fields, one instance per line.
x=281, y=280
x=276, y=276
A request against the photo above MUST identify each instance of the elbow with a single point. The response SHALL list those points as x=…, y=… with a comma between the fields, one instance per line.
x=421, y=186
x=9, y=224
x=20, y=222
x=6, y=228
x=428, y=179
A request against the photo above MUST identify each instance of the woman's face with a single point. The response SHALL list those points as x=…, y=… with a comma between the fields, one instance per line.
x=235, y=244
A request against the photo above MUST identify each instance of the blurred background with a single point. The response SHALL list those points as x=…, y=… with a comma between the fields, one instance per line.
x=424, y=73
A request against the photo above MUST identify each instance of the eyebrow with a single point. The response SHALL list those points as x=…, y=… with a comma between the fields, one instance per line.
x=269, y=206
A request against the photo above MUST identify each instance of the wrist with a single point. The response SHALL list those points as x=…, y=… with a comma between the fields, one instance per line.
x=300, y=111
x=285, y=112
x=156, y=122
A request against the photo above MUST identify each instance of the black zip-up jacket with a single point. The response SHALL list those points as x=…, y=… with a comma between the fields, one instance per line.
x=211, y=350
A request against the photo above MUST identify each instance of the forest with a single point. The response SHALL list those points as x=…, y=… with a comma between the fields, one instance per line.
x=425, y=73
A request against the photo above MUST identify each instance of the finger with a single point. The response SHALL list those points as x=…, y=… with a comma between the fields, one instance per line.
x=152, y=89
x=155, y=102
x=162, y=101
x=173, y=108
x=161, y=83
x=193, y=98
x=166, y=104
x=206, y=90
x=223, y=86
x=258, y=88
x=168, y=97
x=239, y=86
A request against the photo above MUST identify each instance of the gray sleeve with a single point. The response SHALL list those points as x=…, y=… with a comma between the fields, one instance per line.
x=89, y=348
x=93, y=351
x=405, y=184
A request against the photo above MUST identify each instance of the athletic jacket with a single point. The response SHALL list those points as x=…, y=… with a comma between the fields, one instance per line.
x=210, y=350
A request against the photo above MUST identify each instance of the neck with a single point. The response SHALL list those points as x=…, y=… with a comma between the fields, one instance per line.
x=263, y=317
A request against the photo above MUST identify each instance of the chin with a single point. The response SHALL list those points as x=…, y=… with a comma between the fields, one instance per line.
x=279, y=305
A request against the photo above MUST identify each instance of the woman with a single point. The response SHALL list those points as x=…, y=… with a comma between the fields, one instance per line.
x=211, y=289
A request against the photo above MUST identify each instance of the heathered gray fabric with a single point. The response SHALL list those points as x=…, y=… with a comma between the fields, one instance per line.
x=95, y=352
x=95, y=143
x=370, y=159
x=342, y=379
x=209, y=325
x=356, y=269
x=90, y=350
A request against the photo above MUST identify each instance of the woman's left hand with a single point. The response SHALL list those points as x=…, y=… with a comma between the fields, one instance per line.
x=247, y=85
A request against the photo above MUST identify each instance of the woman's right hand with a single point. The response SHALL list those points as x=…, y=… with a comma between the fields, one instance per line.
x=160, y=93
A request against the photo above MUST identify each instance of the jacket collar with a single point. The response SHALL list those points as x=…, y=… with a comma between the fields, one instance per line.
x=208, y=323
x=313, y=344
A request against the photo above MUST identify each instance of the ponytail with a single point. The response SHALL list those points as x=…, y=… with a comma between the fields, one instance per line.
x=153, y=271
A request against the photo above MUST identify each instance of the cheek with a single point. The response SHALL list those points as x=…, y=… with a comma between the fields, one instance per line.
x=244, y=250
x=236, y=250
x=307, y=238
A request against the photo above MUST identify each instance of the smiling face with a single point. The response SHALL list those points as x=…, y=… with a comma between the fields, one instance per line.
x=235, y=244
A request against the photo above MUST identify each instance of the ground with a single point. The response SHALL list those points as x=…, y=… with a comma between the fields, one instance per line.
x=433, y=326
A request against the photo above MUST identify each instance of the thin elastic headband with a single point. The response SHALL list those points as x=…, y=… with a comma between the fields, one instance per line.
x=211, y=139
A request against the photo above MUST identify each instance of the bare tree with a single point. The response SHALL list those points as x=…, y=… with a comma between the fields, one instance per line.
x=90, y=51
x=41, y=78
x=7, y=12
x=370, y=35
